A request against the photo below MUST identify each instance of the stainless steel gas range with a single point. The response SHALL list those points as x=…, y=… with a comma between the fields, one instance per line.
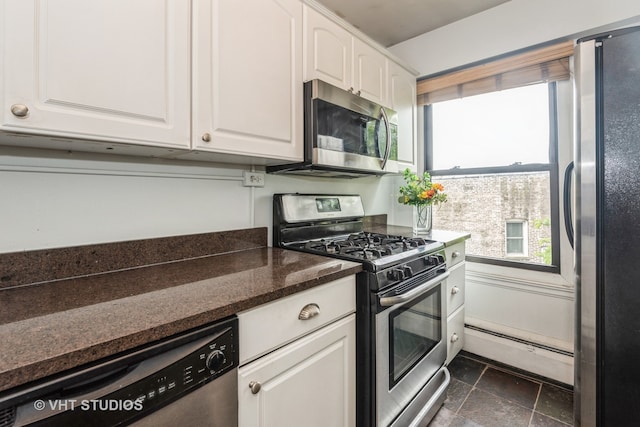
x=401, y=379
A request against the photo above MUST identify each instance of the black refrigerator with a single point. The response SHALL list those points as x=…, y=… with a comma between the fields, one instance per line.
x=607, y=229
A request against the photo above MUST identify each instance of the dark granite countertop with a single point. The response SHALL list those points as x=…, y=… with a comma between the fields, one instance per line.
x=47, y=327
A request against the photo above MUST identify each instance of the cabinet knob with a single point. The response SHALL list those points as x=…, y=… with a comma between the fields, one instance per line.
x=309, y=311
x=19, y=110
x=350, y=90
x=454, y=337
x=455, y=254
x=358, y=92
x=206, y=137
x=255, y=387
x=455, y=290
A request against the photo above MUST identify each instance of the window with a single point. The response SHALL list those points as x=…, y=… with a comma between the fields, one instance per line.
x=516, y=239
x=496, y=155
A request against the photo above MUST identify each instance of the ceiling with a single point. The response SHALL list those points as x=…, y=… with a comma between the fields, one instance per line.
x=392, y=21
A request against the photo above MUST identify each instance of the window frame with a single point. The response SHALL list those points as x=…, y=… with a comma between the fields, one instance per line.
x=551, y=167
x=524, y=238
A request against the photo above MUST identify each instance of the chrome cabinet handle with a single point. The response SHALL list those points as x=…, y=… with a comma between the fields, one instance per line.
x=19, y=110
x=454, y=337
x=309, y=311
x=455, y=290
x=255, y=387
x=206, y=137
x=455, y=254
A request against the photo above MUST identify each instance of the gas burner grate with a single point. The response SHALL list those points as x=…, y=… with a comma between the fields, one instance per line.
x=364, y=245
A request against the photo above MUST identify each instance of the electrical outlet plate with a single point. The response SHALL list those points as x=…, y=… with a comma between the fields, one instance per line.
x=253, y=179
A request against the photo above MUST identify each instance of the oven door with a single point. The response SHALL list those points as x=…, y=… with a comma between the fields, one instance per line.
x=410, y=345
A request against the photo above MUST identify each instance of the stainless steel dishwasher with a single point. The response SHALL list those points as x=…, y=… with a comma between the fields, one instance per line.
x=187, y=380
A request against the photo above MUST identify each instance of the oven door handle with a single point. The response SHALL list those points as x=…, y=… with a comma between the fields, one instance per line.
x=413, y=293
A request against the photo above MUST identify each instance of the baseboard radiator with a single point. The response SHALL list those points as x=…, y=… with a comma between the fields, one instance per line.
x=543, y=360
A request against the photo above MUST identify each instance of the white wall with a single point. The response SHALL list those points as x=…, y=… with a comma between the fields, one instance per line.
x=56, y=199
x=510, y=26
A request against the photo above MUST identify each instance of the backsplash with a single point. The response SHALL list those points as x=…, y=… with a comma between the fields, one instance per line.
x=27, y=267
x=53, y=199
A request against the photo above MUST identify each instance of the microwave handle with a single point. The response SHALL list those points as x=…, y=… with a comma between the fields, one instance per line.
x=387, y=152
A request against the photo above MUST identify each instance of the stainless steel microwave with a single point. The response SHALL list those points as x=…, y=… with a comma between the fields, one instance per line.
x=345, y=135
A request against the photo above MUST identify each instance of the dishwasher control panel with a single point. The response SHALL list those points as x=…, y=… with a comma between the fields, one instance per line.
x=207, y=363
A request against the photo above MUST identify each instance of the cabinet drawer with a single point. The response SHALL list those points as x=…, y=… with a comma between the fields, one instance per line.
x=455, y=334
x=272, y=325
x=455, y=288
x=455, y=254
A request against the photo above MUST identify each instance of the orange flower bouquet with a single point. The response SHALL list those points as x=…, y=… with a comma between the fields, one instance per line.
x=419, y=190
x=422, y=193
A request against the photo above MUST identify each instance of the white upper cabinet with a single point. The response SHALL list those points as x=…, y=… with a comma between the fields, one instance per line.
x=402, y=98
x=334, y=55
x=110, y=70
x=328, y=50
x=247, y=78
x=369, y=72
x=218, y=80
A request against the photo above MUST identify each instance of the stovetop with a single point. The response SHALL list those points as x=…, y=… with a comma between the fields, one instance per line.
x=376, y=251
x=332, y=225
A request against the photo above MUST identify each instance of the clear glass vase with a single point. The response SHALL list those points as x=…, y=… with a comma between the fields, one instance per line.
x=422, y=219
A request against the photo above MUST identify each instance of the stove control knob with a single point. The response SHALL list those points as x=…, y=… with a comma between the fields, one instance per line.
x=440, y=259
x=408, y=272
x=215, y=360
x=395, y=274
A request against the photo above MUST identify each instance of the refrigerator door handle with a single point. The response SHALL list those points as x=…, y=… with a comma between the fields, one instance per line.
x=568, y=221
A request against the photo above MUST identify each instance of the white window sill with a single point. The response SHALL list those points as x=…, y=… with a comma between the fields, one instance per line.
x=519, y=277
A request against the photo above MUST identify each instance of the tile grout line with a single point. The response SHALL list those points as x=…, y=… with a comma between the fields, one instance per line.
x=473, y=387
x=487, y=366
x=537, y=381
x=535, y=404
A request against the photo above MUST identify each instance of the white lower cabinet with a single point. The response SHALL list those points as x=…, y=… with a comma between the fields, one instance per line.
x=455, y=299
x=297, y=359
x=455, y=332
x=310, y=382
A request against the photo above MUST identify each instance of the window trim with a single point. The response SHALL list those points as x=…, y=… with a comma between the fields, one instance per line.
x=525, y=238
x=551, y=167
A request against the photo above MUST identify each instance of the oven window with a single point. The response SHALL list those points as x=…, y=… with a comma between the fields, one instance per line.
x=415, y=329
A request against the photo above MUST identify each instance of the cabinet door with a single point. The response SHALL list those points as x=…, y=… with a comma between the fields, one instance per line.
x=402, y=98
x=456, y=288
x=327, y=50
x=369, y=72
x=310, y=382
x=247, y=85
x=114, y=70
x=455, y=333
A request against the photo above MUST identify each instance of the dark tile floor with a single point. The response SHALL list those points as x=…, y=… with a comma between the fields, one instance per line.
x=484, y=394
